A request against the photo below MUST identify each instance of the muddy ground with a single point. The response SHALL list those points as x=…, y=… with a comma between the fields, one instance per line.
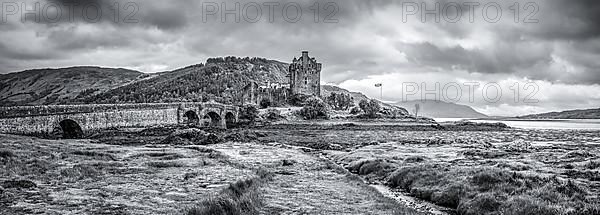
x=169, y=170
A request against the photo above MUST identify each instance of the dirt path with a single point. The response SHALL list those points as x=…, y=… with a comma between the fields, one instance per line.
x=307, y=184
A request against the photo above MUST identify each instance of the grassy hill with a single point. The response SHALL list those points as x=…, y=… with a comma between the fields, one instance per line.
x=570, y=114
x=55, y=86
x=220, y=79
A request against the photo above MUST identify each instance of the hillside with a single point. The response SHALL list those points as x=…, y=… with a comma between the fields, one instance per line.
x=570, y=114
x=220, y=79
x=326, y=90
x=54, y=86
x=440, y=109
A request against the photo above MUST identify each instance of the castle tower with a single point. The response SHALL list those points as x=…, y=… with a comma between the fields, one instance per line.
x=305, y=76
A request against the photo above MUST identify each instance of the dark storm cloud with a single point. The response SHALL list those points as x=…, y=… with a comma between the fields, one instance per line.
x=565, y=19
x=166, y=15
x=368, y=39
x=8, y=53
x=505, y=58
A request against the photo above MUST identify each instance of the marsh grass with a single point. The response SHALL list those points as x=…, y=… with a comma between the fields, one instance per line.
x=240, y=197
x=491, y=190
x=17, y=166
x=164, y=164
x=592, y=165
x=6, y=154
x=80, y=172
x=95, y=155
x=21, y=184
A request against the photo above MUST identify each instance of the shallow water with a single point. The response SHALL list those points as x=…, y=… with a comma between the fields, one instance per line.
x=411, y=202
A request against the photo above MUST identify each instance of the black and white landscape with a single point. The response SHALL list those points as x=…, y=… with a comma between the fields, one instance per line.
x=299, y=107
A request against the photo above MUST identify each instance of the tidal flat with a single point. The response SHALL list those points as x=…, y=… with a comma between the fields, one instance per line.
x=305, y=169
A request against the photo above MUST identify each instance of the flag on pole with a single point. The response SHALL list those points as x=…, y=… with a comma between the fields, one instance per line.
x=378, y=85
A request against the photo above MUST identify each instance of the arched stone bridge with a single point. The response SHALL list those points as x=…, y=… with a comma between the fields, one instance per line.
x=72, y=121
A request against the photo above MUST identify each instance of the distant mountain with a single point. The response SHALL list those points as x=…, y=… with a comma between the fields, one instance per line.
x=440, y=109
x=54, y=86
x=570, y=114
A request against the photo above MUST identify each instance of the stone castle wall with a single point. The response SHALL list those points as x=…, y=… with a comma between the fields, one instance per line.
x=305, y=76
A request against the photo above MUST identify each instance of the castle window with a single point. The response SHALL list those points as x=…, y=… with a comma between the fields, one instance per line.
x=305, y=80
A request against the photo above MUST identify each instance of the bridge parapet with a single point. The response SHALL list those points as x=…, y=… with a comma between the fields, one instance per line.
x=44, y=110
x=80, y=119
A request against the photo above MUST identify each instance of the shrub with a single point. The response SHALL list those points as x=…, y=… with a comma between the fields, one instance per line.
x=273, y=114
x=300, y=99
x=249, y=113
x=340, y=101
x=355, y=110
x=370, y=108
x=6, y=154
x=265, y=103
x=315, y=108
x=24, y=184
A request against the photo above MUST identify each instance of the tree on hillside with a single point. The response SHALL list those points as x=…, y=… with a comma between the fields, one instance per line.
x=370, y=107
x=340, y=101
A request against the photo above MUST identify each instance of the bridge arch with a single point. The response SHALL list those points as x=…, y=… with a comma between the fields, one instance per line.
x=212, y=119
x=230, y=120
x=70, y=129
x=191, y=117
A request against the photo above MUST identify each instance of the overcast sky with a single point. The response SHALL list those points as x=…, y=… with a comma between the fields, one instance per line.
x=550, y=49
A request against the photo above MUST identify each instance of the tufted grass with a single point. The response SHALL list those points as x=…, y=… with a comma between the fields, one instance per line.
x=492, y=190
x=239, y=198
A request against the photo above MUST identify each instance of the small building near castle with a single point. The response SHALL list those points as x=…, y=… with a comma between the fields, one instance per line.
x=276, y=93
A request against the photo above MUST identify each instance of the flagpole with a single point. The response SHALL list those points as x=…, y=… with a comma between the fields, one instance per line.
x=380, y=85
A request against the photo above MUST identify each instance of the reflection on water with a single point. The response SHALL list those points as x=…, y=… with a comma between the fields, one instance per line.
x=588, y=124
